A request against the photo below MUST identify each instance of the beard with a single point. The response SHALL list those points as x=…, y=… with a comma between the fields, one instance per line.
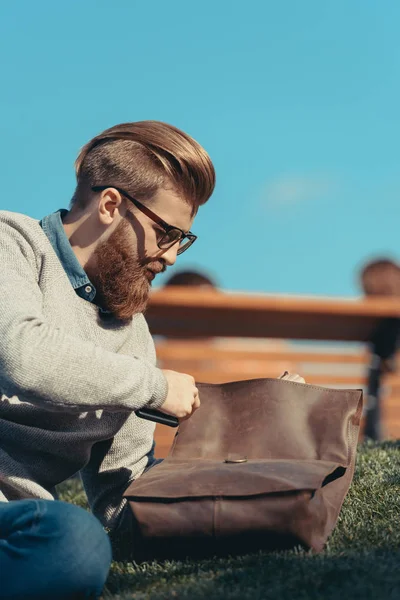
x=121, y=279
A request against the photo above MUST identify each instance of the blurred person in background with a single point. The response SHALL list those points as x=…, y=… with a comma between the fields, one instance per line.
x=192, y=279
x=380, y=278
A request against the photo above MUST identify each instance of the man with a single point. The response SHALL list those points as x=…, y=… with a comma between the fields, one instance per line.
x=76, y=356
x=380, y=278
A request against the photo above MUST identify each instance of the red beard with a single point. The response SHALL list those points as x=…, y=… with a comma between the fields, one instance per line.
x=122, y=281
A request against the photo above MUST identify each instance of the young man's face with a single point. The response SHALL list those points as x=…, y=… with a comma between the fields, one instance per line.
x=129, y=259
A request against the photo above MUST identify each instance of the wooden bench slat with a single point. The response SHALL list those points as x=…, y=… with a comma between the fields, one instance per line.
x=188, y=352
x=178, y=311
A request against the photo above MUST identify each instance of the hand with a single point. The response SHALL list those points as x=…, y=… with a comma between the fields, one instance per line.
x=292, y=377
x=183, y=396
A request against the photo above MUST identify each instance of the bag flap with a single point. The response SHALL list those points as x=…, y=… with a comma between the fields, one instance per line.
x=203, y=478
x=271, y=418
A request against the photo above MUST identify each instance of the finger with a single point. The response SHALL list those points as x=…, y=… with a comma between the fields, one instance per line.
x=196, y=403
x=296, y=377
x=181, y=419
x=196, y=399
x=292, y=377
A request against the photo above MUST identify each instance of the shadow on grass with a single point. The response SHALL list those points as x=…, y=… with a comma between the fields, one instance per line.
x=301, y=576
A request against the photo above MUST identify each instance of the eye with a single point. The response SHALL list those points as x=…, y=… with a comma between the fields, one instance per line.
x=159, y=231
x=174, y=235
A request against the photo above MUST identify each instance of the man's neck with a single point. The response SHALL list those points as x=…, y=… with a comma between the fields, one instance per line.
x=77, y=229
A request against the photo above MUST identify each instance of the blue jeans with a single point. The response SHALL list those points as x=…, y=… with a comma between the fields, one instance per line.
x=51, y=550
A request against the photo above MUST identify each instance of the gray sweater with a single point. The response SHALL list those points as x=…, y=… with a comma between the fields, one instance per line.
x=70, y=380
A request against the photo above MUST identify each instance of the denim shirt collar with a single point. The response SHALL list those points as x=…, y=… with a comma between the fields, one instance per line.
x=53, y=227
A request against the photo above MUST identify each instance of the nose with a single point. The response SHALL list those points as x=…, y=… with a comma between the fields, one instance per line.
x=170, y=254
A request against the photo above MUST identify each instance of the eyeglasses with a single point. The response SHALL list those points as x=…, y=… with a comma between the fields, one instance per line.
x=172, y=235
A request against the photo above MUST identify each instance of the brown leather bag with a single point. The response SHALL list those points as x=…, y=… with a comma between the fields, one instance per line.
x=263, y=464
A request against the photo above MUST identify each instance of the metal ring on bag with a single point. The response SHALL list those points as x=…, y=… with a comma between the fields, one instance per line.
x=235, y=460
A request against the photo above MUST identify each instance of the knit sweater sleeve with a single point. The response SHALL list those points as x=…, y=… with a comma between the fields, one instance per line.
x=46, y=365
x=113, y=464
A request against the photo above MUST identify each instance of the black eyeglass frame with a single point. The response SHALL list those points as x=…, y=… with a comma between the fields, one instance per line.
x=191, y=237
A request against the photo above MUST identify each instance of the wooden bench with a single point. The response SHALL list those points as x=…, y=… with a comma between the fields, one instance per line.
x=193, y=322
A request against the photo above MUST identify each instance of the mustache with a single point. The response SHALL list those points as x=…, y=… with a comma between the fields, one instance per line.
x=156, y=266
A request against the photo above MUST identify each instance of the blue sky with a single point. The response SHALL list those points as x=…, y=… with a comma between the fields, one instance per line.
x=296, y=102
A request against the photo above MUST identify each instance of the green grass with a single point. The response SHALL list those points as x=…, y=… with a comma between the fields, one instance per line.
x=361, y=561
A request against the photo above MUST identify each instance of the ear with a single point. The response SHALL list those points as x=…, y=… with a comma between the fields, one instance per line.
x=110, y=205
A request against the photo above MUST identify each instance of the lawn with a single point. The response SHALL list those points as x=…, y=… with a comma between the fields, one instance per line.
x=361, y=561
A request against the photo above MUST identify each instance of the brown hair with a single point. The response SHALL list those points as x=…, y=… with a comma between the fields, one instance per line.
x=142, y=157
x=381, y=277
